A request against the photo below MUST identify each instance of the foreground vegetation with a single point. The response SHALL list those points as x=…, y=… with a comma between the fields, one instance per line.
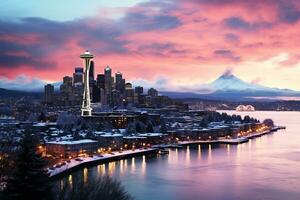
x=28, y=179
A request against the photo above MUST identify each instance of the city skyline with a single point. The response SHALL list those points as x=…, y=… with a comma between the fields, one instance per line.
x=38, y=47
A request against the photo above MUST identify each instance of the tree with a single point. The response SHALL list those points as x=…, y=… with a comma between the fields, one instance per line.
x=163, y=128
x=42, y=117
x=66, y=120
x=104, y=188
x=29, y=179
x=204, y=122
x=131, y=128
x=140, y=127
x=149, y=128
x=268, y=122
x=247, y=119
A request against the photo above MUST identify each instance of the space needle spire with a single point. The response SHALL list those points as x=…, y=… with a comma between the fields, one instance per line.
x=86, y=109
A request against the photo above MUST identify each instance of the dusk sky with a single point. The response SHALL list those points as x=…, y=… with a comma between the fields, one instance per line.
x=168, y=44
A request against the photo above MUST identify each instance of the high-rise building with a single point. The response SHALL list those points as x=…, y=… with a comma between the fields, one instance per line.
x=96, y=93
x=108, y=83
x=120, y=83
x=115, y=100
x=66, y=90
x=67, y=80
x=139, y=90
x=128, y=86
x=103, y=97
x=48, y=93
x=66, y=87
x=78, y=76
x=101, y=81
x=152, y=92
x=92, y=72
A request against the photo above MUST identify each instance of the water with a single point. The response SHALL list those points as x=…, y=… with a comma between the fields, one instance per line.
x=264, y=168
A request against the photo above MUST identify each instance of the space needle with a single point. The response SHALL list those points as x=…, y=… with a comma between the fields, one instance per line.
x=86, y=109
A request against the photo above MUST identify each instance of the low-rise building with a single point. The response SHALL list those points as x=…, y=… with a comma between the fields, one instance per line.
x=71, y=148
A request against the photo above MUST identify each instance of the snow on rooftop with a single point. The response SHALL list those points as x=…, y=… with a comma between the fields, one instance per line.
x=73, y=142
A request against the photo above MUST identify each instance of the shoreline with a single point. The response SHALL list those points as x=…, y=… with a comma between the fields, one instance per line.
x=88, y=161
x=81, y=162
x=234, y=141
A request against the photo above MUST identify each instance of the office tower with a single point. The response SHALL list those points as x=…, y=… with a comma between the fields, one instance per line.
x=128, y=86
x=108, y=83
x=48, y=93
x=101, y=81
x=115, y=100
x=103, y=97
x=66, y=90
x=96, y=93
x=78, y=76
x=86, y=109
x=129, y=94
x=92, y=72
x=123, y=86
x=120, y=83
x=66, y=87
x=139, y=90
x=152, y=92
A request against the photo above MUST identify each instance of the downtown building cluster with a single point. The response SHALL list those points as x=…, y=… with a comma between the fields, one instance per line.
x=107, y=90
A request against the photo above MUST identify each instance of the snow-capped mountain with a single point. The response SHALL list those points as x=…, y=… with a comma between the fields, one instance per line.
x=230, y=87
x=231, y=82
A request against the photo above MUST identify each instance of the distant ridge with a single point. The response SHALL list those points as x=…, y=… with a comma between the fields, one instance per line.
x=4, y=93
x=229, y=87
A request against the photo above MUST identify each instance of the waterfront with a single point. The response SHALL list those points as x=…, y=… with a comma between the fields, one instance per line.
x=264, y=168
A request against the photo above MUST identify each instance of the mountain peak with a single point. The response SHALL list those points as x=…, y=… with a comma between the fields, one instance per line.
x=228, y=81
x=227, y=76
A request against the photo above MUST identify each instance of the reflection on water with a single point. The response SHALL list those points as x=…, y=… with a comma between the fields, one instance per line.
x=264, y=168
x=187, y=156
x=199, y=152
x=85, y=175
x=132, y=164
x=70, y=181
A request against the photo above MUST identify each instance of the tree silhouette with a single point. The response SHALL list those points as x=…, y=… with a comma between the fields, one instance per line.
x=104, y=188
x=29, y=179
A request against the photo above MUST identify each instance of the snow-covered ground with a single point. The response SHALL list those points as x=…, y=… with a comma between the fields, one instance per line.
x=84, y=160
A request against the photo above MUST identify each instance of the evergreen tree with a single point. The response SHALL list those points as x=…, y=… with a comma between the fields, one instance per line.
x=104, y=188
x=149, y=128
x=140, y=127
x=42, y=117
x=247, y=119
x=204, y=122
x=29, y=179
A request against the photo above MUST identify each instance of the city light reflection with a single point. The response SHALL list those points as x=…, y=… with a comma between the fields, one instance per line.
x=199, y=152
x=188, y=158
x=85, y=175
x=132, y=164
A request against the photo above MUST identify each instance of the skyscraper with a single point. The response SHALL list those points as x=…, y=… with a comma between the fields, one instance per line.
x=48, y=93
x=92, y=72
x=139, y=90
x=86, y=109
x=152, y=92
x=66, y=90
x=120, y=84
x=108, y=83
x=78, y=76
x=101, y=81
